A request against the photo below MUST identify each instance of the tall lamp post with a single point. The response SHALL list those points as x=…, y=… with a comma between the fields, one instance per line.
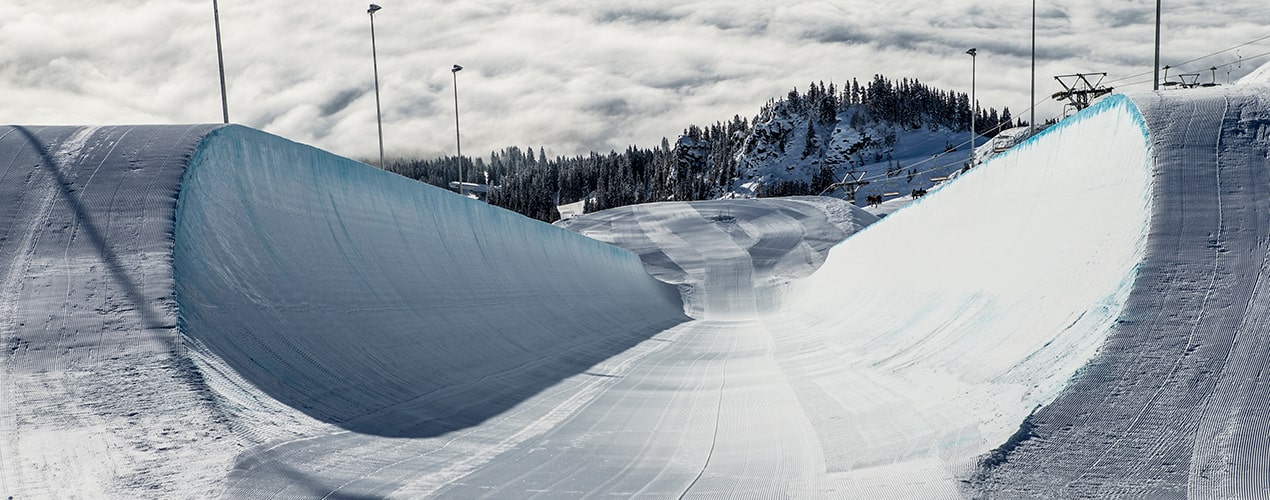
x=220, y=61
x=379, y=117
x=1157, y=45
x=458, y=144
x=974, y=53
x=1031, y=122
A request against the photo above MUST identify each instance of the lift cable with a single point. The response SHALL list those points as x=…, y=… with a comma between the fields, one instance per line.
x=1149, y=72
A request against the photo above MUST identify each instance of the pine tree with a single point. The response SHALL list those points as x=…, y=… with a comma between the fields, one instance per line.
x=813, y=143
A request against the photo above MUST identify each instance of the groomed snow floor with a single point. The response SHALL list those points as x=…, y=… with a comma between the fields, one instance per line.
x=211, y=311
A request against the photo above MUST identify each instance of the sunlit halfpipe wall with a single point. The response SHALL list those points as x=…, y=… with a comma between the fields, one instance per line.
x=975, y=304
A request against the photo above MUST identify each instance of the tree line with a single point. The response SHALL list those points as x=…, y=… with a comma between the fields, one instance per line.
x=705, y=161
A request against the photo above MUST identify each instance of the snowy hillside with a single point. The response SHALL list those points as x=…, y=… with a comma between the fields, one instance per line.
x=900, y=137
x=796, y=149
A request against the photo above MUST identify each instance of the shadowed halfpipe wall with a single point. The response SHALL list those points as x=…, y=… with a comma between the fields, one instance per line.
x=386, y=306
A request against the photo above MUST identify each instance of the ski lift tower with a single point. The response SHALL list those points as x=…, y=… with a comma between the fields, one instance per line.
x=1166, y=83
x=1214, y=82
x=851, y=186
x=1189, y=80
x=1080, y=89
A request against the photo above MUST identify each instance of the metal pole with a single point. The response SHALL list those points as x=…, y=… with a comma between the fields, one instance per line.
x=220, y=60
x=379, y=117
x=974, y=53
x=458, y=144
x=1157, y=45
x=1031, y=124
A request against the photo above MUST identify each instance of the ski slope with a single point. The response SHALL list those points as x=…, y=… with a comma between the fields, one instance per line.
x=212, y=311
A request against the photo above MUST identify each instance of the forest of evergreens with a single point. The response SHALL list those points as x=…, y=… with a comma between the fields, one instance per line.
x=703, y=162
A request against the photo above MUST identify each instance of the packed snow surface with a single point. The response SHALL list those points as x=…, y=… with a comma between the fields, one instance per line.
x=732, y=258
x=212, y=311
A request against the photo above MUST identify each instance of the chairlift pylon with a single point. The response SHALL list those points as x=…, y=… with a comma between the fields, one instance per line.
x=1188, y=80
x=1214, y=82
x=1079, y=90
x=850, y=185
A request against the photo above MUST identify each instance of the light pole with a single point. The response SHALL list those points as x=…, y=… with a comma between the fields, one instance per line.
x=458, y=144
x=379, y=117
x=974, y=57
x=220, y=61
x=1157, y=45
x=1031, y=121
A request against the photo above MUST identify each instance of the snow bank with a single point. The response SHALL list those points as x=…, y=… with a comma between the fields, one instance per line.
x=978, y=302
x=1261, y=75
x=386, y=306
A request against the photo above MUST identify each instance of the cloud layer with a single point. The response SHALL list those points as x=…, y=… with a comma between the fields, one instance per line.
x=569, y=76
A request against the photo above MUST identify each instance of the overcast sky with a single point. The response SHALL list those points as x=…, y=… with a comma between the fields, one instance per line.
x=567, y=75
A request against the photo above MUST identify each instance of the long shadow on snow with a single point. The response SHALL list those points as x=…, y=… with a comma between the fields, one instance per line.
x=82, y=215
